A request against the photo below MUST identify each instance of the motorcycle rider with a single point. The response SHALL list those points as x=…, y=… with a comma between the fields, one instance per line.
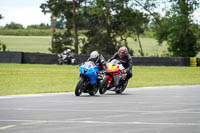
x=68, y=56
x=126, y=59
x=67, y=52
x=98, y=59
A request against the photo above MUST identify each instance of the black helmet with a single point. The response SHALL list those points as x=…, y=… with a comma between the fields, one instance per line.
x=94, y=56
x=122, y=52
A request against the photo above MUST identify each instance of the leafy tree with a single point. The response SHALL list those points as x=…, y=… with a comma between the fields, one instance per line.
x=108, y=23
x=136, y=23
x=14, y=25
x=61, y=42
x=62, y=10
x=59, y=24
x=107, y=26
x=59, y=9
x=176, y=28
x=2, y=45
x=181, y=42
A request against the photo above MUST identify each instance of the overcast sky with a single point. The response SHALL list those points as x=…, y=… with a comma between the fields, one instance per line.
x=25, y=12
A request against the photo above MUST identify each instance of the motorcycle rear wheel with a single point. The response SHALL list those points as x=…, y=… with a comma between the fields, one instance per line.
x=103, y=88
x=79, y=87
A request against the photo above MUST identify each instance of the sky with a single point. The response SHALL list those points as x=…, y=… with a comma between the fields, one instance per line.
x=25, y=12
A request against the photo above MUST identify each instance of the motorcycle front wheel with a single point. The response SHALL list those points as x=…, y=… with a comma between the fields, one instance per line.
x=59, y=61
x=79, y=87
x=103, y=88
x=122, y=88
x=93, y=91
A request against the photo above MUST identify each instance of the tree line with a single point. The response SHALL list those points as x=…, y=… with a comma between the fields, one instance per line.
x=15, y=26
x=110, y=22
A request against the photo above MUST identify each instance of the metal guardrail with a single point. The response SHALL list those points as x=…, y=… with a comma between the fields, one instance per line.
x=40, y=58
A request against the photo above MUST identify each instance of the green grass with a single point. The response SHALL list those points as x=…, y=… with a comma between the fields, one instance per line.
x=27, y=43
x=161, y=76
x=31, y=79
x=41, y=44
x=149, y=45
x=28, y=79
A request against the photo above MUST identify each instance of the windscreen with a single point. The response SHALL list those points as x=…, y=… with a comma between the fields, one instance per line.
x=89, y=64
x=115, y=62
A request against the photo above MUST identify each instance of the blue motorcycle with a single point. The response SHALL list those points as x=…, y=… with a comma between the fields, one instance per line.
x=89, y=81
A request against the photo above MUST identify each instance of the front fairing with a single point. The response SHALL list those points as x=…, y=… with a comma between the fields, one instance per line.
x=90, y=71
x=112, y=68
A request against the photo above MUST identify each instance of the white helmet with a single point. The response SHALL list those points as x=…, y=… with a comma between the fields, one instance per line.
x=68, y=50
x=94, y=56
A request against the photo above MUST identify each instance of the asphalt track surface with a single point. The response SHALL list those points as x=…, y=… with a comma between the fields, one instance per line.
x=173, y=109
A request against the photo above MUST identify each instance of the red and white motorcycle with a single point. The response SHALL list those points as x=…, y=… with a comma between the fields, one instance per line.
x=114, y=79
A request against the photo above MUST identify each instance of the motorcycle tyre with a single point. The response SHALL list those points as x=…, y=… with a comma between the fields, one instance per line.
x=122, y=88
x=93, y=92
x=59, y=62
x=79, y=87
x=102, y=88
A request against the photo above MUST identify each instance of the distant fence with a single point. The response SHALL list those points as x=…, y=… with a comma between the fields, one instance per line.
x=161, y=61
x=11, y=57
x=40, y=58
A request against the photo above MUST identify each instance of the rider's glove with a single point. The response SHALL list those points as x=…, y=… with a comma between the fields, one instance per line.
x=124, y=71
x=104, y=64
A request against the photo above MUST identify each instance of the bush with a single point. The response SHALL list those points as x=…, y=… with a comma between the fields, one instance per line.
x=2, y=47
x=40, y=26
x=62, y=41
x=14, y=25
x=26, y=32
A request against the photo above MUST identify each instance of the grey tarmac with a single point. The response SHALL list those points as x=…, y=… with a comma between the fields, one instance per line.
x=167, y=109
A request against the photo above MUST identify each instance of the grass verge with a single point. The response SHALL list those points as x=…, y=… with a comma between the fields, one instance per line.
x=41, y=44
x=32, y=79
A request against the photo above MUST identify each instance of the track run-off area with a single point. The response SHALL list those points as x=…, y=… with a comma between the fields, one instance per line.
x=168, y=109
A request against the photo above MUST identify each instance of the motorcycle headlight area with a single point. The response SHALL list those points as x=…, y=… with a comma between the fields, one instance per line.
x=82, y=69
x=87, y=71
